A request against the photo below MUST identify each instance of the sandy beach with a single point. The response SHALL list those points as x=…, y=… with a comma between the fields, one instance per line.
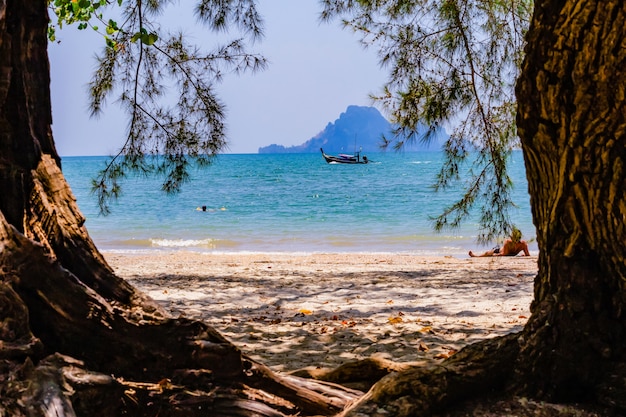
x=293, y=311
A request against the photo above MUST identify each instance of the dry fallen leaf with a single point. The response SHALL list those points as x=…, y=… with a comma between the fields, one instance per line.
x=446, y=355
x=422, y=347
x=394, y=320
x=304, y=311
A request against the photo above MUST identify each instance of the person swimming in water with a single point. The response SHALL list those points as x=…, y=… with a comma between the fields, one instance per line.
x=510, y=247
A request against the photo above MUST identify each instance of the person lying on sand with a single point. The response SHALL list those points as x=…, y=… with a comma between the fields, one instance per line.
x=510, y=247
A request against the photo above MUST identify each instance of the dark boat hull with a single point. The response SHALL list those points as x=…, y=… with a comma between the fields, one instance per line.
x=345, y=159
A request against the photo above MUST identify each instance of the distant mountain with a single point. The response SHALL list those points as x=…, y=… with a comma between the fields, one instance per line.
x=358, y=127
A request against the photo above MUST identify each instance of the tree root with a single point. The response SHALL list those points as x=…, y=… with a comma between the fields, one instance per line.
x=359, y=375
x=475, y=371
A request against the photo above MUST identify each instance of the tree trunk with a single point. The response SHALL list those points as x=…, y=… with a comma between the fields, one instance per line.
x=34, y=196
x=571, y=120
x=74, y=338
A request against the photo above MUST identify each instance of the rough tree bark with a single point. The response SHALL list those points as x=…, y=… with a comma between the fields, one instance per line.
x=572, y=122
x=74, y=338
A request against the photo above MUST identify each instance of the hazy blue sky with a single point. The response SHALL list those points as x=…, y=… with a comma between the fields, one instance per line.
x=316, y=70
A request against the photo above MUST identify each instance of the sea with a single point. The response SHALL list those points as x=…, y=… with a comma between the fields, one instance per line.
x=289, y=203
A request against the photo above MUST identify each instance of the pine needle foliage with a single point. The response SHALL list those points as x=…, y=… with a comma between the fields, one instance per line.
x=166, y=84
x=452, y=65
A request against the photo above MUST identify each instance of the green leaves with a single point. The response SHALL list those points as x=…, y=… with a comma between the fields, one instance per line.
x=71, y=11
x=83, y=12
x=145, y=37
x=112, y=27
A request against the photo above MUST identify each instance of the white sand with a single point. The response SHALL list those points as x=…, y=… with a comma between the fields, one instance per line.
x=321, y=310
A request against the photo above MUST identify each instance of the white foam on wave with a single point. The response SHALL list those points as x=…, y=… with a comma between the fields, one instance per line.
x=184, y=243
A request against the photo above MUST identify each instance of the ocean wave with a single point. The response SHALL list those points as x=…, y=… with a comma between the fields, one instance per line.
x=190, y=243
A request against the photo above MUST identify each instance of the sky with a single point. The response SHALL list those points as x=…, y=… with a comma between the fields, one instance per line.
x=316, y=71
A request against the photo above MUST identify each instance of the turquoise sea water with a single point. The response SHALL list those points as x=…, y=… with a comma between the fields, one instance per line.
x=288, y=203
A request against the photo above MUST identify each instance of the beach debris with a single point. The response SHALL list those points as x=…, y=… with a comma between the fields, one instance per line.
x=394, y=320
x=441, y=356
x=445, y=355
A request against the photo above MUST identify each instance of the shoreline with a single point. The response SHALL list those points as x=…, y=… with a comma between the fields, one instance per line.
x=320, y=310
x=422, y=253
